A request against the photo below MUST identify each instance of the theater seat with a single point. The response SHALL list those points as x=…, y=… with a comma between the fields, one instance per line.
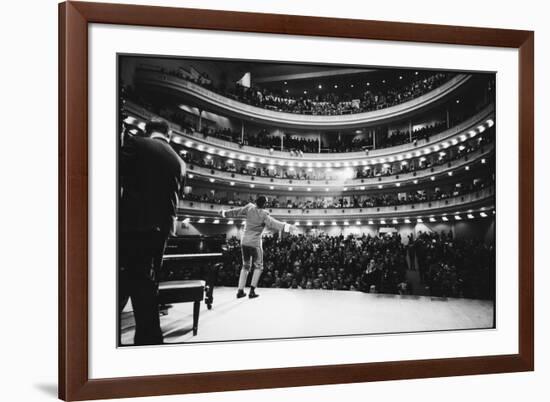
x=183, y=292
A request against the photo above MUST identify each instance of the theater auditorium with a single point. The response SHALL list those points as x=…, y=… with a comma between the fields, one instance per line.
x=386, y=177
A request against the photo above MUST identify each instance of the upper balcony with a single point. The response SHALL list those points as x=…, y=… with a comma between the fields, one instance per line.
x=217, y=103
x=458, y=133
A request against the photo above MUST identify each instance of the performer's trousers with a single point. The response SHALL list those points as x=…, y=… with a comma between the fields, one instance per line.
x=140, y=262
x=253, y=256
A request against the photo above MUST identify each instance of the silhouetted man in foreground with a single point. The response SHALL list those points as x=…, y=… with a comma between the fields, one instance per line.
x=152, y=177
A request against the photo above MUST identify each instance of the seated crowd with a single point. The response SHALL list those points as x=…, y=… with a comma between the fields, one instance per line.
x=448, y=267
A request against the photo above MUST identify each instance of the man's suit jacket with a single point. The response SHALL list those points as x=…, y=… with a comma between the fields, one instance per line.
x=257, y=220
x=152, y=178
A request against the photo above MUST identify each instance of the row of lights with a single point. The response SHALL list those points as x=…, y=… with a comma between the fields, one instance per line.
x=327, y=189
x=393, y=221
x=419, y=153
x=335, y=86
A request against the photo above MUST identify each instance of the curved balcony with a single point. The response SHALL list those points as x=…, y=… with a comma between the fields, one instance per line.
x=262, y=182
x=203, y=97
x=464, y=203
x=233, y=150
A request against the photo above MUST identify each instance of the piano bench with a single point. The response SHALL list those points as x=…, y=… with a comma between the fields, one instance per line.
x=183, y=292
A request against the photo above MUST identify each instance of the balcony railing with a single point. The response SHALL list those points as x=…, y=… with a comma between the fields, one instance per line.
x=258, y=114
x=462, y=203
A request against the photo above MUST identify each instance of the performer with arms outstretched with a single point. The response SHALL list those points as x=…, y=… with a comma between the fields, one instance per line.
x=257, y=219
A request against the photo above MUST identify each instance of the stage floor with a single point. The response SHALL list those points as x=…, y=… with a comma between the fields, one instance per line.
x=291, y=313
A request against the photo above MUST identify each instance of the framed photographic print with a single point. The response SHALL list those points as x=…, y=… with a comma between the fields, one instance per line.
x=257, y=201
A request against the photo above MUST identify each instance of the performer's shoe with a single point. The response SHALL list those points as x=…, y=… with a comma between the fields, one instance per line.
x=240, y=294
x=253, y=294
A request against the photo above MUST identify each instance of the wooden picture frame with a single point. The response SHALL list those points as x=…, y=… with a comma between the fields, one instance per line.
x=74, y=381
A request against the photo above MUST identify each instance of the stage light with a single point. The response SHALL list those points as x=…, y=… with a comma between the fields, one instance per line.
x=470, y=216
x=345, y=189
x=309, y=189
x=186, y=220
x=483, y=160
x=432, y=219
x=394, y=221
x=481, y=128
x=230, y=161
x=371, y=222
x=190, y=175
x=467, y=167
x=321, y=223
x=346, y=223
x=261, y=160
x=380, y=186
x=309, y=223
x=200, y=147
x=290, y=189
x=216, y=221
x=397, y=184
x=422, y=159
x=231, y=183
x=445, y=145
x=335, y=86
x=368, y=84
x=432, y=178
x=454, y=141
x=201, y=220
x=404, y=162
x=320, y=86
x=382, y=221
x=358, y=222
x=300, y=164
x=333, y=223
x=490, y=123
x=415, y=181
x=241, y=157
x=362, y=187
x=407, y=220
x=483, y=215
x=271, y=187
x=450, y=173
x=230, y=222
x=442, y=154
x=211, y=180
x=458, y=218
x=188, y=144
x=463, y=137
x=297, y=223
x=252, y=185
x=419, y=220
x=458, y=101
x=221, y=152
x=400, y=77
x=444, y=218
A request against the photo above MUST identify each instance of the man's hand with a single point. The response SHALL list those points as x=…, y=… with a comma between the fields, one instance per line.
x=290, y=228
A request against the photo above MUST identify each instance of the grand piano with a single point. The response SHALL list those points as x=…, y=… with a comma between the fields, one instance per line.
x=189, y=272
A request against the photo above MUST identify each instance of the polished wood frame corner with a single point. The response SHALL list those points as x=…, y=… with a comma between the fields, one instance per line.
x=74, y=381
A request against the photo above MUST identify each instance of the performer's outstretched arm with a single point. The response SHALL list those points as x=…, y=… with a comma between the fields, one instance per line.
x=234, y=213
x=275, y=225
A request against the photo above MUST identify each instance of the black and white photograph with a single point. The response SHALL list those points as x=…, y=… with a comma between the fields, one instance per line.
x=262, y=200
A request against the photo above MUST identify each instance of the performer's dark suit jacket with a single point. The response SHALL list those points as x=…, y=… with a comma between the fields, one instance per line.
x=152, y=178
